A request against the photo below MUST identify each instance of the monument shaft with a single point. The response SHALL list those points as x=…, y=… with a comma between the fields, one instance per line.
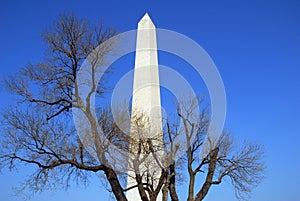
x=146, y=119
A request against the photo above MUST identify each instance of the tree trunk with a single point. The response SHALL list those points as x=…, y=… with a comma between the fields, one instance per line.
x=209, y=177
x=172, y=186
x=115, y=185
x=141, y=189
x=165, y=192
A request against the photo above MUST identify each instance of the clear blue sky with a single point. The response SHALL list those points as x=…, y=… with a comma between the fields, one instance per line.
x=255, y=45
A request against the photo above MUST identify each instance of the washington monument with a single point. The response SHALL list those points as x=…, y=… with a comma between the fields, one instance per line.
x=146, y=110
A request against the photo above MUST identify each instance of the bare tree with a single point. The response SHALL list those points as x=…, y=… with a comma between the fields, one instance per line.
x=243, y=164
x=39, y=129
x=145, y=162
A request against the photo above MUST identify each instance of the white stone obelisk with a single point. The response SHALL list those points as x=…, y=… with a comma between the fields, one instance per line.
x=145, y=102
